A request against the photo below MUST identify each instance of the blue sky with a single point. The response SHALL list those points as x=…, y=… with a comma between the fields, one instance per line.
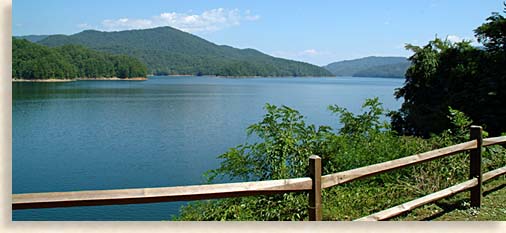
x=316, y=31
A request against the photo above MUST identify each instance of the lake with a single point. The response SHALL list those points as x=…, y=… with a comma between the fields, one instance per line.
x=166, y=131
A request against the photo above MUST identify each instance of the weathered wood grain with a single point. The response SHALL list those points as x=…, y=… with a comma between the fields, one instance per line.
x=494, y=141
x=493, y=174
x=350, y=175
x=408, y=206
x=151, y=195
x=315, y=195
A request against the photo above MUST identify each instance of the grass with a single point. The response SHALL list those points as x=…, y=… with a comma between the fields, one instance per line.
x=362, y=198
x=457, y=208
x=347, y=203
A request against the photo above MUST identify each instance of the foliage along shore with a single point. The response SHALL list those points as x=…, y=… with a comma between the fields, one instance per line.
x=240, y=76
x=467, y=78
x=49, y=80
x=81, y=79
x=35, y=62
x=286, y=141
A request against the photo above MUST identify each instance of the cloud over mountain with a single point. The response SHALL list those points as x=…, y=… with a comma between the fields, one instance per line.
x=207, y=21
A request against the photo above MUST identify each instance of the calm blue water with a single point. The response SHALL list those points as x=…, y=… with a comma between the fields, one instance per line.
x=166, y=131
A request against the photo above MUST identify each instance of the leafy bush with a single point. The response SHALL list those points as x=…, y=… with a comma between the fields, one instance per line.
x=285, y=143
x=468, y=78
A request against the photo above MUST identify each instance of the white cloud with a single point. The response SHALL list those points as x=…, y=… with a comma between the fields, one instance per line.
x=454, y=38
x=207, y=21
x=309, y=52
x=434, y=4
x=312, y=55
x=125, y=23
x=84, y=26
x=250, y=17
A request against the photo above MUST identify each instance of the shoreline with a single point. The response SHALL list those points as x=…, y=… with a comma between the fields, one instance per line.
x=113, y=79
x=42, y=80
x=219, y=76
x=79, y=79
x=146, y=78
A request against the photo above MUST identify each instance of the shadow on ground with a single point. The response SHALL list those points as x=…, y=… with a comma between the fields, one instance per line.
x=459, y=204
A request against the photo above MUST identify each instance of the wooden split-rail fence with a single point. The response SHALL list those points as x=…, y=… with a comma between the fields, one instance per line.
x=313, y=184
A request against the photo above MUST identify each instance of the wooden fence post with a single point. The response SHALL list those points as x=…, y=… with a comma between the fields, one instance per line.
x=475, y=166
x=315, y=195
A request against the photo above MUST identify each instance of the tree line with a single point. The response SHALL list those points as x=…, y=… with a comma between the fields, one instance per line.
x=33, y=61
x=446, y=75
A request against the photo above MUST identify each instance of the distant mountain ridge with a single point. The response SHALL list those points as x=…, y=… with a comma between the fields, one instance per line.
x=370, y=67
x=32, y=38
x=166, y=50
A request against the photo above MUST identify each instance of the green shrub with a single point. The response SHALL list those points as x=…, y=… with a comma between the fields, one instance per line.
x=285, y=142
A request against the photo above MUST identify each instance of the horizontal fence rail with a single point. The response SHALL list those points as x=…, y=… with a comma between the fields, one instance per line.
x=494, y=141
x=410, y=205
x=350, y=175
x=494, y=173
x=313, y=185
x=152, y=195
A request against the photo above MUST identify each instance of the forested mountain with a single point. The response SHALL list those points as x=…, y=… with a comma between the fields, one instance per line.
x=370, y=67
x=166, y=50
x=33, y=61
x=397, y=70
x=32, y=38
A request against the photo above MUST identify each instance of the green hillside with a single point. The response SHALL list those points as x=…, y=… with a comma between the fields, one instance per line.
x=34, y=61
x=32, y=38
x=396, y=70
x=370, y=67
x=166, y=50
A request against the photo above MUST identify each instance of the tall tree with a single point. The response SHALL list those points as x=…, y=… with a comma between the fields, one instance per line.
x=457, y=75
